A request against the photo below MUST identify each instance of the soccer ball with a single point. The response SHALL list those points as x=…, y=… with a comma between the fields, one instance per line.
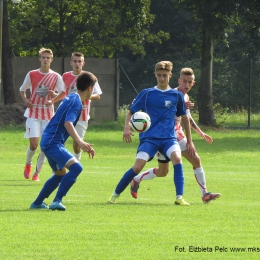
x=140, y=122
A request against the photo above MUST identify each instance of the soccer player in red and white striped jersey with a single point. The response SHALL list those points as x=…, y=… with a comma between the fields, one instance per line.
x=42, y=83
x=77, y=62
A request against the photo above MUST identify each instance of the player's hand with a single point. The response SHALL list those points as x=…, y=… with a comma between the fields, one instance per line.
x=207, y=138
x=29, y=103
x=91, y=153
x=87, y=148
x=191, y=148
x=189, y=105
x=48, y=103
x=52, y=94
x=127, y=135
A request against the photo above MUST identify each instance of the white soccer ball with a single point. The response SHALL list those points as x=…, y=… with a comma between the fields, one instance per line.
x=140, y=122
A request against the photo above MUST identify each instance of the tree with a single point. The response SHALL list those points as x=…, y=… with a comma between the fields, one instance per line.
x=97, y=28
x=7, y=64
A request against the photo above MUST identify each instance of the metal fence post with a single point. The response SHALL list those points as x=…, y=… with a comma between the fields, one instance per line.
x=249, y=93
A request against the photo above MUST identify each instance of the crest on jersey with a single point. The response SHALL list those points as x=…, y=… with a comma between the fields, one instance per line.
x=41, y=91
x=168, y=103
x=73, y=89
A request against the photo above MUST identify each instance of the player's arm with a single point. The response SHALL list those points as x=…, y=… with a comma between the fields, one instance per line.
x=57, y=98
x=95, y=97
x=196, y=128
x=96, y=93
x=127, y=129
x=26, y=101
x=186, y=124
x=86, y=147
x=26, y=85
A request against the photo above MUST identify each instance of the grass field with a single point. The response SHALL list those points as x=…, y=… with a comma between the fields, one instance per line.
x=151, y=227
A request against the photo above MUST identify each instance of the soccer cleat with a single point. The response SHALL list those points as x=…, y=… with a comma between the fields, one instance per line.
x=42, y=206
x=113, y=198
x=35, y=177
x=181, y=202
x=210, y=196
x=57, y=205
x=134, y=186
x=27, y=171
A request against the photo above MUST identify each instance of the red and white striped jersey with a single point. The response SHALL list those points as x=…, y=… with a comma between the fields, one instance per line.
x=70, y=83
x=39, y=83
x=178, y=128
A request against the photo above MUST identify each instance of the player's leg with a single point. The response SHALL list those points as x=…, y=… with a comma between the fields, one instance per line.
x=50, y=185
x=63, y=159
x=161, y=171
x=41, y=156
x=198, y=173
x=174, y=153
x=129, y=175
x=145, y=151
x=33, y=133
x=81, y=128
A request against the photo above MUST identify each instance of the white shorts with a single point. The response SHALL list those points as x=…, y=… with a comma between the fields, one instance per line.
x=81, y=128
x=35, y=127
x=182, y=144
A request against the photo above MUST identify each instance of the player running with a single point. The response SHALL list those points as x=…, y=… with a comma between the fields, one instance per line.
x=54, y=136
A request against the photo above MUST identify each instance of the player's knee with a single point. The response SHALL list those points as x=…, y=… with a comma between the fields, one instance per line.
x=76, y=168
x=33, y=147
x=162, y=173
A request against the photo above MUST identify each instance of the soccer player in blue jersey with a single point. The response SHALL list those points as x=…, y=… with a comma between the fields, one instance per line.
x=161, y=103
x=60, y=127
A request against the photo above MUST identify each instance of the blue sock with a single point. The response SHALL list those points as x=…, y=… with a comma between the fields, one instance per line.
x=178, y=177
x=126, y=179
x=68, y=180
x=49, y=186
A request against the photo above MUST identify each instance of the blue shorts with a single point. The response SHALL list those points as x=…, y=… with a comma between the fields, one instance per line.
x=152, y=146
x=58, y=156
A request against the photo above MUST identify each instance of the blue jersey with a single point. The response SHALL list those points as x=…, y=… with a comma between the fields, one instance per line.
x=161, y=106
x=68, y=110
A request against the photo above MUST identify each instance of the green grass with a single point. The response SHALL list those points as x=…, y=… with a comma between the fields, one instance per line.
x=150, y=227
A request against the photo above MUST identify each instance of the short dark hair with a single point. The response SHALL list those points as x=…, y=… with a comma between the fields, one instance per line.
x=85, y=79
x=77, y=54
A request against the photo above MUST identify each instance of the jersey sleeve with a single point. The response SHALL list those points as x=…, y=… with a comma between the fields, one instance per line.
x=139, y=102
x=60, y=86
x=73, y=112
x=97, y=89
x=181, y=108
x=26, y=83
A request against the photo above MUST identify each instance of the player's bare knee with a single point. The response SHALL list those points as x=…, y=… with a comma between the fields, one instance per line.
x=33, y=147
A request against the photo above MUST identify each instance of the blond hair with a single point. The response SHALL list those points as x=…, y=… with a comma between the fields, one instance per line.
x=164, y=65
x=45, y=50
x=187, y=71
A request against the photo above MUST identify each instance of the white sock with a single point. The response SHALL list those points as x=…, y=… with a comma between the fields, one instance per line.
x=77, y=155
x=148, y=175
x=178, y=197
x=29, y=155
x=200, y=178
x=40, y=162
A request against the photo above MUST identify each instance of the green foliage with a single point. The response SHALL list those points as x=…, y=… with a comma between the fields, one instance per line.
x=96, y=28
x=150, y=227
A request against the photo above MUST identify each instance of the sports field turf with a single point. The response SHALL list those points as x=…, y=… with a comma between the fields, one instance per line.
x=151, y=227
